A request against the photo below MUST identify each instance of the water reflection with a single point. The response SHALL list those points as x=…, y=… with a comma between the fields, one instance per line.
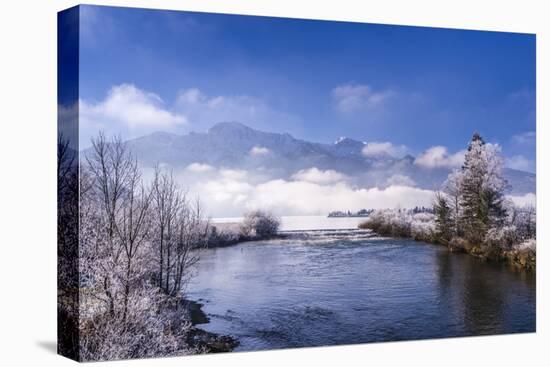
x=320, y=289
x=486, y=296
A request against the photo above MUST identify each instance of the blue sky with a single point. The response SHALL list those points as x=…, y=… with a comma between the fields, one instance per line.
x=411, y=87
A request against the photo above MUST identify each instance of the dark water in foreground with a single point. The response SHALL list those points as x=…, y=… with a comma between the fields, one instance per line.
x=328, y=288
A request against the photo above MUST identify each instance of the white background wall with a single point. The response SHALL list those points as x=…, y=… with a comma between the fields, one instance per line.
x=28, y=181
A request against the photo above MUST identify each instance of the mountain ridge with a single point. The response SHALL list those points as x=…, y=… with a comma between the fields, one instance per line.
x=238, y=146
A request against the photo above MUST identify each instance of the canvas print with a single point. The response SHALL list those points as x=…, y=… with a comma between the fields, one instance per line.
x=233, y=183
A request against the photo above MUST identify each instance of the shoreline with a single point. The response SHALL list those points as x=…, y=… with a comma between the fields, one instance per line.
x=524, y=260
x=206, y=341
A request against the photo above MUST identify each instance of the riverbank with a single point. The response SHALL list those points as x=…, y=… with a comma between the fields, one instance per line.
x=202, y=340
x=522, y=256
x=229, y=234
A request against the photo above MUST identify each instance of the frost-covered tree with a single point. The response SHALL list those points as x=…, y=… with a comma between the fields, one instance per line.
x=260, y=223
x=482, y=189
x=180, y=228
x=67, y=247
x=124, y=312
x=451, y=188
x=522, y=218
x=192, y=233
x=443, y=219
x=167, y=202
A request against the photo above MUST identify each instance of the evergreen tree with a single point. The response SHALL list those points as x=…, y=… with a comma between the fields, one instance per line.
x=443, y=219
x=482, y=189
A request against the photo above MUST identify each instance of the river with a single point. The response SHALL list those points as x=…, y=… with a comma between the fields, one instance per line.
x=348, y=286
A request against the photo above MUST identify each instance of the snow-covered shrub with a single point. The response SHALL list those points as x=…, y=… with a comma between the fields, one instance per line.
x=504, y=237
x=153, y=326
x=260, y=223
x=223, y=236
x=423, y=227
x=527, y=245
x=401, y=223
x=388, y=222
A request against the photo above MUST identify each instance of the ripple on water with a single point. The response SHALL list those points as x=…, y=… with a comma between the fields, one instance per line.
x=342, y=287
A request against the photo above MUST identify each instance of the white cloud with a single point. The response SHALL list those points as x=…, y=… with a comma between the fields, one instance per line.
x=230, y=193
x=259, y=151
x=376, y=149
x=199, y=167
x=132, y=112
x=128, y=105
x=316, y=175
x=350, y=98
x=223, y=195
x=439, y=157
x=299, y=197
x=233, y=174
x=400, y=180
x=519, y=162
x=526, y=138
x=528, y=199
x=128, y=111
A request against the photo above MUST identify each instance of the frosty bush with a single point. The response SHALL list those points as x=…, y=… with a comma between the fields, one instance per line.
x=504, y=237
x=401, y=223
x=260, y=224
x=151, y=329
x=527, y=245
x=423, y=227
x=223, y=237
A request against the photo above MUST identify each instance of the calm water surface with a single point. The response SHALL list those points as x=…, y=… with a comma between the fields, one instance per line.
x=344, y=287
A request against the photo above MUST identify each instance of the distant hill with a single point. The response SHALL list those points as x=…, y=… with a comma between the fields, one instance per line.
x=237, y=146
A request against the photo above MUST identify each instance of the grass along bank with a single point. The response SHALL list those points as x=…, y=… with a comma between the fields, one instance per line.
x=499, y=245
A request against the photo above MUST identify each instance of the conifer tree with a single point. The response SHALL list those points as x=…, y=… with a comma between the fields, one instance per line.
x=443, y=219
x=482, y=189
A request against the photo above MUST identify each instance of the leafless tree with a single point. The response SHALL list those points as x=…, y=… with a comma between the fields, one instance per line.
x=135, y=252
x=451, y=187
x=192, y=234
x=67, y=247
x=180, y=228
x=167, y=202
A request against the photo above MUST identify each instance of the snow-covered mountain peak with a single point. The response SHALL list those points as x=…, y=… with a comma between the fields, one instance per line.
x=344, y=140
x=231, y=145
